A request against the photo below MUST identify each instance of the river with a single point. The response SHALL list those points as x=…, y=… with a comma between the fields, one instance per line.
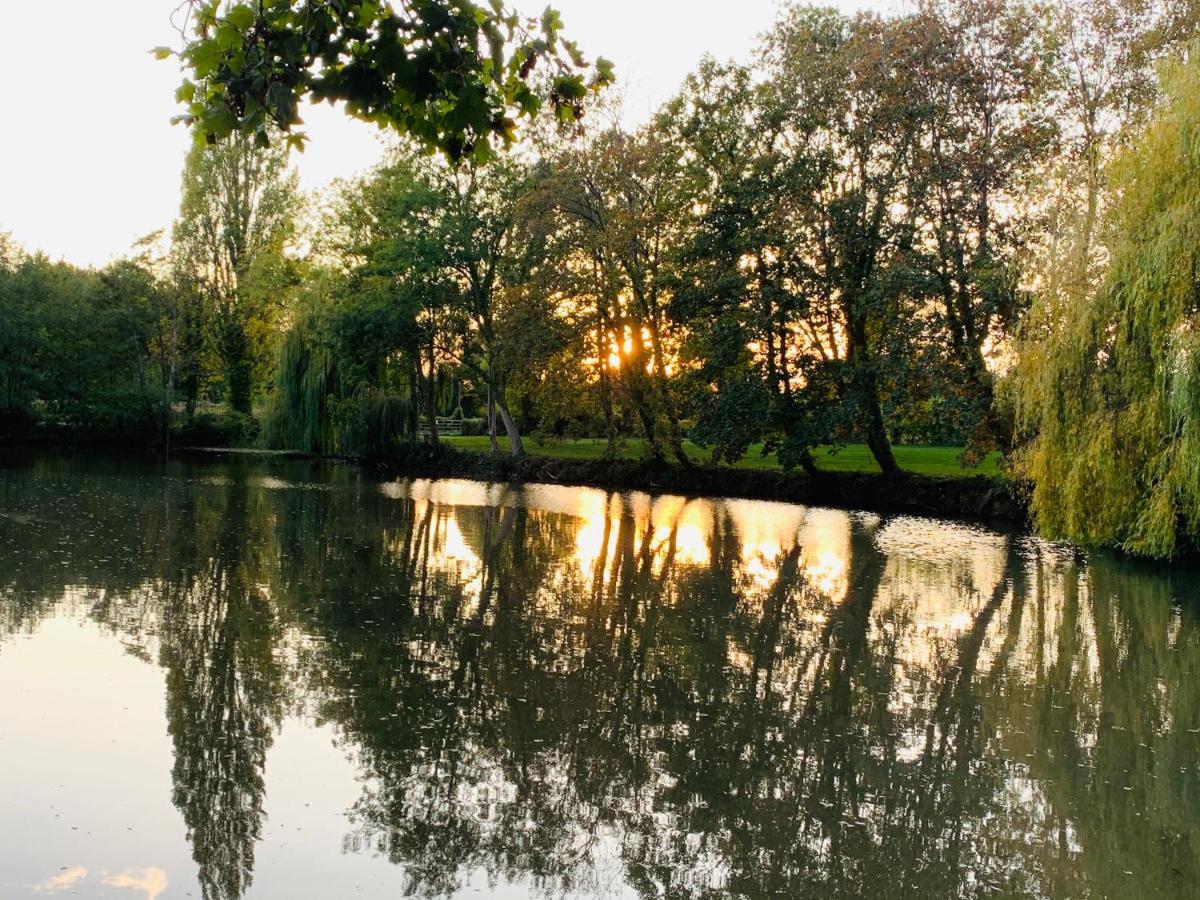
x=277, y=679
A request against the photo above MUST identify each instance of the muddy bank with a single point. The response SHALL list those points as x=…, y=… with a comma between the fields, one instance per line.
x=978, y=498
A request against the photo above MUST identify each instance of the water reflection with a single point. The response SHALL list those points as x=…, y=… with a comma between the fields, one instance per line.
x=563, y=690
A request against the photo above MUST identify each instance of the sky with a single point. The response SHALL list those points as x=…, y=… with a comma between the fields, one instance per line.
x=89, y=161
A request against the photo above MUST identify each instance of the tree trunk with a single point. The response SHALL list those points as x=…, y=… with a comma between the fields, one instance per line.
x=237, y=374
x=170, y=397
x=516, y=446
x=633, y=369
x=663, y=396
x=431, y=398
x=235, y=355
x=864, y=387
x=606, y=403
x=808, y=464
x=146, y=405
x=873, y=427
x=191, y=394
x=431, y=415
x=491, y=420
x=995, y=429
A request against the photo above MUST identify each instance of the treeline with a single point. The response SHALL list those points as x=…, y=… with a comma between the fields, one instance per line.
x=179, y=337
x=966, y=223
x=82, y=352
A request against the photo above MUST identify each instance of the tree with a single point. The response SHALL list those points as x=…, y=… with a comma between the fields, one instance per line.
x=344, y=377
x=1104, y=83
x=441, y=278
x=624, y=201
x=77, y=347
x=985, y=75
x=387, y=229
x=21, y=337
x=809, y=237
x=137, y=306
x=1109, y=381
x=489, y=258
x=449, y=73
x=764, y=324
x=237, y=207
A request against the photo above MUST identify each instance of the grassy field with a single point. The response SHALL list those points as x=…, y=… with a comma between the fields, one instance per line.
x=851, y=458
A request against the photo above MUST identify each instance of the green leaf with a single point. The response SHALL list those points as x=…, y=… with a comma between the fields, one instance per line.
x=604, y=71
x=573, y=51
x=551, y=22
x=228, y=36
x=281, y=102
x=162, y=52
x=218, y=120
x=496, y=45
x=205, y=57
x=570, y=87
x=241, y=17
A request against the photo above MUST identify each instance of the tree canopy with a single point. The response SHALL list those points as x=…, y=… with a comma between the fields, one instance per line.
x=452, y=74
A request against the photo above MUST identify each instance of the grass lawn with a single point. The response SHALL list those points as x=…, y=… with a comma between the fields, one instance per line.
x=851, y=458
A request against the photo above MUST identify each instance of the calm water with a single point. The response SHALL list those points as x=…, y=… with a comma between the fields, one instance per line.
x=281, y=680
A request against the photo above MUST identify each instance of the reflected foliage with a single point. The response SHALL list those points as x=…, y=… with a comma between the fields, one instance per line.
x=570, y=691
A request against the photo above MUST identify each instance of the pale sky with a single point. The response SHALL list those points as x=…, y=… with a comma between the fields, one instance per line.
x=89, y=161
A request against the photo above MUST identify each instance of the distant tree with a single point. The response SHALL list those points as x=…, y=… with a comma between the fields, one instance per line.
x=624, y=201
x=807, y=241
x=21, y=338
x=386, y=230
x=764, y=324
x=238, y=207
x=135, y=306
x=486, y=253
x=78, y=350
x=986, y=77
x=439, y=277
x=1105, y=82
x=451, y=74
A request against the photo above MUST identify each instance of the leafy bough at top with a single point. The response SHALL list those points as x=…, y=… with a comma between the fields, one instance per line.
x=452, y=74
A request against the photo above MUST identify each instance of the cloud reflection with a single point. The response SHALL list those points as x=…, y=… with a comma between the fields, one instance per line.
x=62, y=882
x=150, y=881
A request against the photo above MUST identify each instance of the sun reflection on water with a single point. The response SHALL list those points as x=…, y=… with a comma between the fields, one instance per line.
x=542, y=689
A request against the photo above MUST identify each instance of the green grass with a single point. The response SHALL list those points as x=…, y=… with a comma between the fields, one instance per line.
x=851, y=458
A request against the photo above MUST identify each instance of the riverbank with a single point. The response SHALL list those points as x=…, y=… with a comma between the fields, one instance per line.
x=980, y=498
x=920, y=459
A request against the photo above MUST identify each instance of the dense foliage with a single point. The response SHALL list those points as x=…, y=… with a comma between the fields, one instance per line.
x=1110, y=381
x=449, y=73
x=81, y=352
x=969, y=223
x=236, y=217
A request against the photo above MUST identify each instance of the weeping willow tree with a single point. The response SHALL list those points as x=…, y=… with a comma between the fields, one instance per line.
x=298, y=417
x=1108, y=385
x=336, y=392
